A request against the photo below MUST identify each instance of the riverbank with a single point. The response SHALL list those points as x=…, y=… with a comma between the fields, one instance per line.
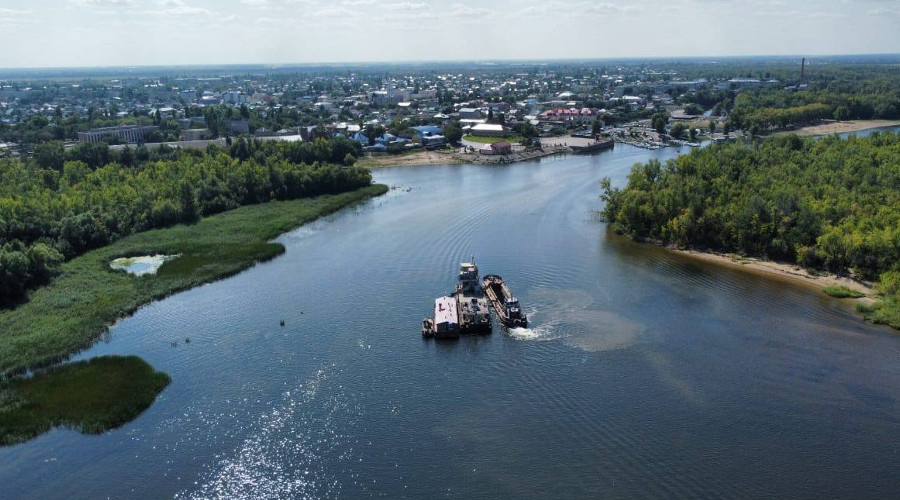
x=408, y=159
x=790, y=272
x=835, y=127
x=75, y=309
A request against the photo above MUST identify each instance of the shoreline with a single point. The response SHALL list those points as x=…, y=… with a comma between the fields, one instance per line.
x=88, y=298
x=418, y=158
x=789, y=272
x=843, y=127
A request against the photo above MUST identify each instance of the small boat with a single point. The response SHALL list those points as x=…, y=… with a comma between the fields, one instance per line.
x=428, y=327
x=505, y=304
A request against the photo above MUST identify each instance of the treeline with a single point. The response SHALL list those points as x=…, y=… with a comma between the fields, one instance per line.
x=829, y=204
x=51, y=214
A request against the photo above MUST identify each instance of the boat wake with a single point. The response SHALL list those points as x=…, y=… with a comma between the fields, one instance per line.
x=542, y=332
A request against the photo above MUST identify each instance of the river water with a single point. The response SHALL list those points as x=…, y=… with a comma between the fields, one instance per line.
x=645, y=374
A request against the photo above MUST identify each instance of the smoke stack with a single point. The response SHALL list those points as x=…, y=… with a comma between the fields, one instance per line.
x=802, y=68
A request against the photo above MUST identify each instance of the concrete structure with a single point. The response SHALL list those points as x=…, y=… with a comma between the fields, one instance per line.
x=128, y=133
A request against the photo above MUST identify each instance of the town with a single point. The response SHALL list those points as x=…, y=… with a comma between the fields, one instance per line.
x=471, y=110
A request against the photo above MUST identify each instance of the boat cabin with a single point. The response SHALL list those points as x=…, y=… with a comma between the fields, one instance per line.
x=446, y=320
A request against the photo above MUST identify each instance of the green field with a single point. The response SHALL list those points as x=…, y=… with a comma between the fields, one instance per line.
x=89, y=396
x=490, y=140
x=70, y=313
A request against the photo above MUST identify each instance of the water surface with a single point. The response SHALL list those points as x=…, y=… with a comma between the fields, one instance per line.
x=644, y=375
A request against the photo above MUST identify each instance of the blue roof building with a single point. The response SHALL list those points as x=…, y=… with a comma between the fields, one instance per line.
x=427, y=130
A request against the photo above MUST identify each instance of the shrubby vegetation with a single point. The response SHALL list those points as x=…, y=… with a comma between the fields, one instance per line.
x=62, y=204
x=89, y=396
x=831, y=204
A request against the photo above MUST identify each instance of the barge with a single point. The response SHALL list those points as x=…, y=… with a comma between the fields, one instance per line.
x=445, y=322
x=505, y=304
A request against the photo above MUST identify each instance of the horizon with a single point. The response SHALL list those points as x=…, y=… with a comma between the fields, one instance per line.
x=768, y=59
x=176, y=33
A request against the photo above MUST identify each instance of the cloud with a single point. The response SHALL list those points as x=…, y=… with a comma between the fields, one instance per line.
x=86, y=3
x=13, y=12
x=579, y=9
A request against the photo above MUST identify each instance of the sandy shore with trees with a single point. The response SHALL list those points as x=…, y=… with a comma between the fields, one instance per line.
x=835, y=127
x=791, y=272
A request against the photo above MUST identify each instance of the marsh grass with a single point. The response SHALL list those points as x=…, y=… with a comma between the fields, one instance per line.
x=842, y=292
x=91, y=396
x=75, y=309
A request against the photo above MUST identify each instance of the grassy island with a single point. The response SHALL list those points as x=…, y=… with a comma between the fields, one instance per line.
x=72, y=311
x=826, y=204
x=89, y=396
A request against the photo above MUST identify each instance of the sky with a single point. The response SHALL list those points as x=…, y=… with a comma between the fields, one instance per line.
x=84, y=33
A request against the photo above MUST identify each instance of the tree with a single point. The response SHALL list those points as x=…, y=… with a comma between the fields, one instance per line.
x=659, y=122
x=50, y=155
x=677, y=130
x=841, y=113
x=712, y=127
x=692, y=133
x=453, y=132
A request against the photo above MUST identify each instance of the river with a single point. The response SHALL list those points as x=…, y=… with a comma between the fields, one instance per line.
x=645, y=374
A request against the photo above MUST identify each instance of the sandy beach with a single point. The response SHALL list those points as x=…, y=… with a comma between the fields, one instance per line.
x=789, y=272
x=834, y=127
x=417, y=158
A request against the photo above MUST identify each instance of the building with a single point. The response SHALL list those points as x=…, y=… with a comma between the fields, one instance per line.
x=434, y=141
x=469, y=113
x=488, y=130
x=497, y=148
x=427, y=130
x=128, y=133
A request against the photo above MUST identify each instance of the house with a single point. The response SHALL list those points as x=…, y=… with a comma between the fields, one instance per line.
x=427, y=130
x=434, y=141
x=501, y=148
x=469, y=113
x=497, y=148
x=360, y=138
x=386, y=138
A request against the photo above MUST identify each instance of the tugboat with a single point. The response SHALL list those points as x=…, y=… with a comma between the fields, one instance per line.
x=505, y=304
x=474, y=314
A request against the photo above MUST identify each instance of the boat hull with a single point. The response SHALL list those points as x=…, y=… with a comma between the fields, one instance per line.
x=500, y=296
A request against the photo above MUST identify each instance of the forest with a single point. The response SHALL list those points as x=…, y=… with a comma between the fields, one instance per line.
x=826, y=204
x=61, y=204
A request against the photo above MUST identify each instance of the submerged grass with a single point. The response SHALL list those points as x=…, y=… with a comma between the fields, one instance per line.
x=70, y=313
x=89, y=396
x=842, y=292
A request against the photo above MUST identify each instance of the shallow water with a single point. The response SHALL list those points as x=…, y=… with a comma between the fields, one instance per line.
x=643, y=374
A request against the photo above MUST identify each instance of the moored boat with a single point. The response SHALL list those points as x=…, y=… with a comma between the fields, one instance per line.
x=446, y=320
x=505, y=304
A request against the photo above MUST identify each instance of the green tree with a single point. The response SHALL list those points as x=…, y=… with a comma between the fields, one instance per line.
x=453, y=132
x=659, y=122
